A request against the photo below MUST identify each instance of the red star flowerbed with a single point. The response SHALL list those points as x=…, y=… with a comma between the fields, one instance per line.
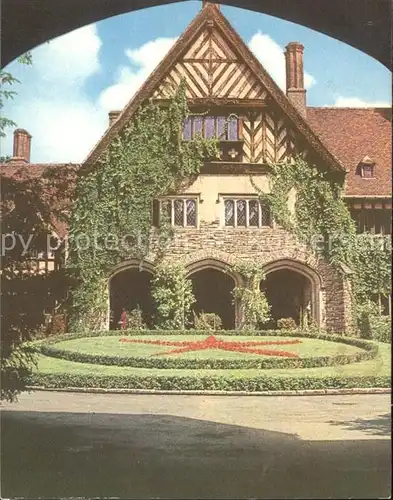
x=212, y=342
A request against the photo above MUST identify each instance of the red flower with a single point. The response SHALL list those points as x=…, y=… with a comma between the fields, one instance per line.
x=212, y=342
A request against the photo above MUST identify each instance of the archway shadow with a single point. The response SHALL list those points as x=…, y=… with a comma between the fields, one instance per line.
x=51, y=455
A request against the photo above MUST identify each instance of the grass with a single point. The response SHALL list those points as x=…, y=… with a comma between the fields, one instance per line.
x=112, y=346
x=379, y=366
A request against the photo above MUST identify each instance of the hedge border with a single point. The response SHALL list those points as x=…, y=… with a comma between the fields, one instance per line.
x=370, y=351
x=209, y=383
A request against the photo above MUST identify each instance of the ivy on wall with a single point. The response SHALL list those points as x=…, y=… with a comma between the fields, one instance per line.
x=255, y=309
x=172, y=292
x=322, y=220
x=112, y=215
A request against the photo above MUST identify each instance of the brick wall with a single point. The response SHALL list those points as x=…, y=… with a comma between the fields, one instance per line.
x=267, y=246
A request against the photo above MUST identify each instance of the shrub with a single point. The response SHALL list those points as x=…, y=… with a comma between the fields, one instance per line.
x=206, y=382
x=135, y=319
x=58, y=324
x=207, y=321
x=286, y=324
x=381, y=328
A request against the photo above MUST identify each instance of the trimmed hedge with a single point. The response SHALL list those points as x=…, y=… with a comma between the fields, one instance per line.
x=369, y=351
x=168, y=383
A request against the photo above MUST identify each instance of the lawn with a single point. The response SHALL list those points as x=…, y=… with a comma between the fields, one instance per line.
x=112, y=346
x=379, y=366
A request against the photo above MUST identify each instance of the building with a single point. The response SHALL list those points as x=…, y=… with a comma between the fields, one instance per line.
x=219, y=220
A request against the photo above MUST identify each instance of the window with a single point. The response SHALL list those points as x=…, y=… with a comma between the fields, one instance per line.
x=368, y=171
x=376, y=221
x=223, y=127
x=243, y=212
x=179, y=212
x=366, y=168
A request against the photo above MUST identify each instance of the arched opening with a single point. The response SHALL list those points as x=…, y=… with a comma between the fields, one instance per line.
x=131, y=289
x=212, y=289
x=290, y=295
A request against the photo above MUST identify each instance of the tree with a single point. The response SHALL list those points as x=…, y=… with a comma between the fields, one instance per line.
x=6, y=82
x=29, y=207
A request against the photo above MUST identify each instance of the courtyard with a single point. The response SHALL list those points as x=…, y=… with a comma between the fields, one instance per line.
x=171, y=446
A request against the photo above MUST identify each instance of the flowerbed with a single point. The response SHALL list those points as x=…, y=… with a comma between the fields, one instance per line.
x=250, y=353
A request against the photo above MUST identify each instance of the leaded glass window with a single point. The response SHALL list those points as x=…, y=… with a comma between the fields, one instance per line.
x=229, y=212
x=178, y=206
x=209, y=127
x=253, y=213
x=181, y=212
x=241, y=212
x=246, y=212
x=232, y=129
x=223, y=127
x=191, y=212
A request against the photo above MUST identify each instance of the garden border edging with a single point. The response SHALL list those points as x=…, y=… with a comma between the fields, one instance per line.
x=305, y=392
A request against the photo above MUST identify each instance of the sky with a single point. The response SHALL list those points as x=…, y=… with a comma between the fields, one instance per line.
x=64, y=98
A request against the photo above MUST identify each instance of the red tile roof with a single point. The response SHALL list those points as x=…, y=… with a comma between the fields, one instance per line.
x=353, y=133
x=21, y=171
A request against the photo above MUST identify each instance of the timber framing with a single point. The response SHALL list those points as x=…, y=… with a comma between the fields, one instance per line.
x=207, y=18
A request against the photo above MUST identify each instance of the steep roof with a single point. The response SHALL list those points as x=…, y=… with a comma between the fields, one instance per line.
x=57, y=197
x=352, y=134
x=208, y=18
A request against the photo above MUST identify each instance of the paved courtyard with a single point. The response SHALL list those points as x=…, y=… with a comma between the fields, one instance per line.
x=162, y=446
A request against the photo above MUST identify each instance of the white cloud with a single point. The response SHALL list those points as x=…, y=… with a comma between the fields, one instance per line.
x=52, y=103
x=356, y=102
x=143, y=60
x=271, y=56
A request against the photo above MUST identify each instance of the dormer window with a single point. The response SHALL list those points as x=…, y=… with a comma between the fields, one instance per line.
x=366, y=168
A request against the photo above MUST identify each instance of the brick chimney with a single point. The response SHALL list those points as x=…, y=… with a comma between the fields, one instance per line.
x=296, y=92
x=206, y=3
x=113, y=116
x=22, y=144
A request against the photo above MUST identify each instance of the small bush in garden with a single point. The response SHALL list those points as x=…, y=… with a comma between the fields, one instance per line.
x=58, y=324
x=286, y=324
x=381, y=328
x=135, y=320
x=207, y=321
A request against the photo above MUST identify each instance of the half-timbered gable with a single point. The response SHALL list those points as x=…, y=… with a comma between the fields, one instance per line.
x=225, y=80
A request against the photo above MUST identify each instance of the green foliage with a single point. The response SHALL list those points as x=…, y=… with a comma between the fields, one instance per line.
x=369, y=351
x=28, y=207
x=7, y=80
x=322, y=221
x=17, y=362
x=381, y=328
x=207, y=321
x=286, y=324
x=135, y=319
x=206, y=383
x=147, y=159
x=172, y=292
x=255, y=309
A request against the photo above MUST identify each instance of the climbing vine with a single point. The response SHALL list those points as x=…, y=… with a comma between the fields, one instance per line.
x=322, y=220
x=255, y=309
x=172, y=293
x=112, y=215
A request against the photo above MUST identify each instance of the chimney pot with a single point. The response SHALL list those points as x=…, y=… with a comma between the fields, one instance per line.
x=206, y=3
x=113, y=116
x=296, y=92
x=22, y=146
